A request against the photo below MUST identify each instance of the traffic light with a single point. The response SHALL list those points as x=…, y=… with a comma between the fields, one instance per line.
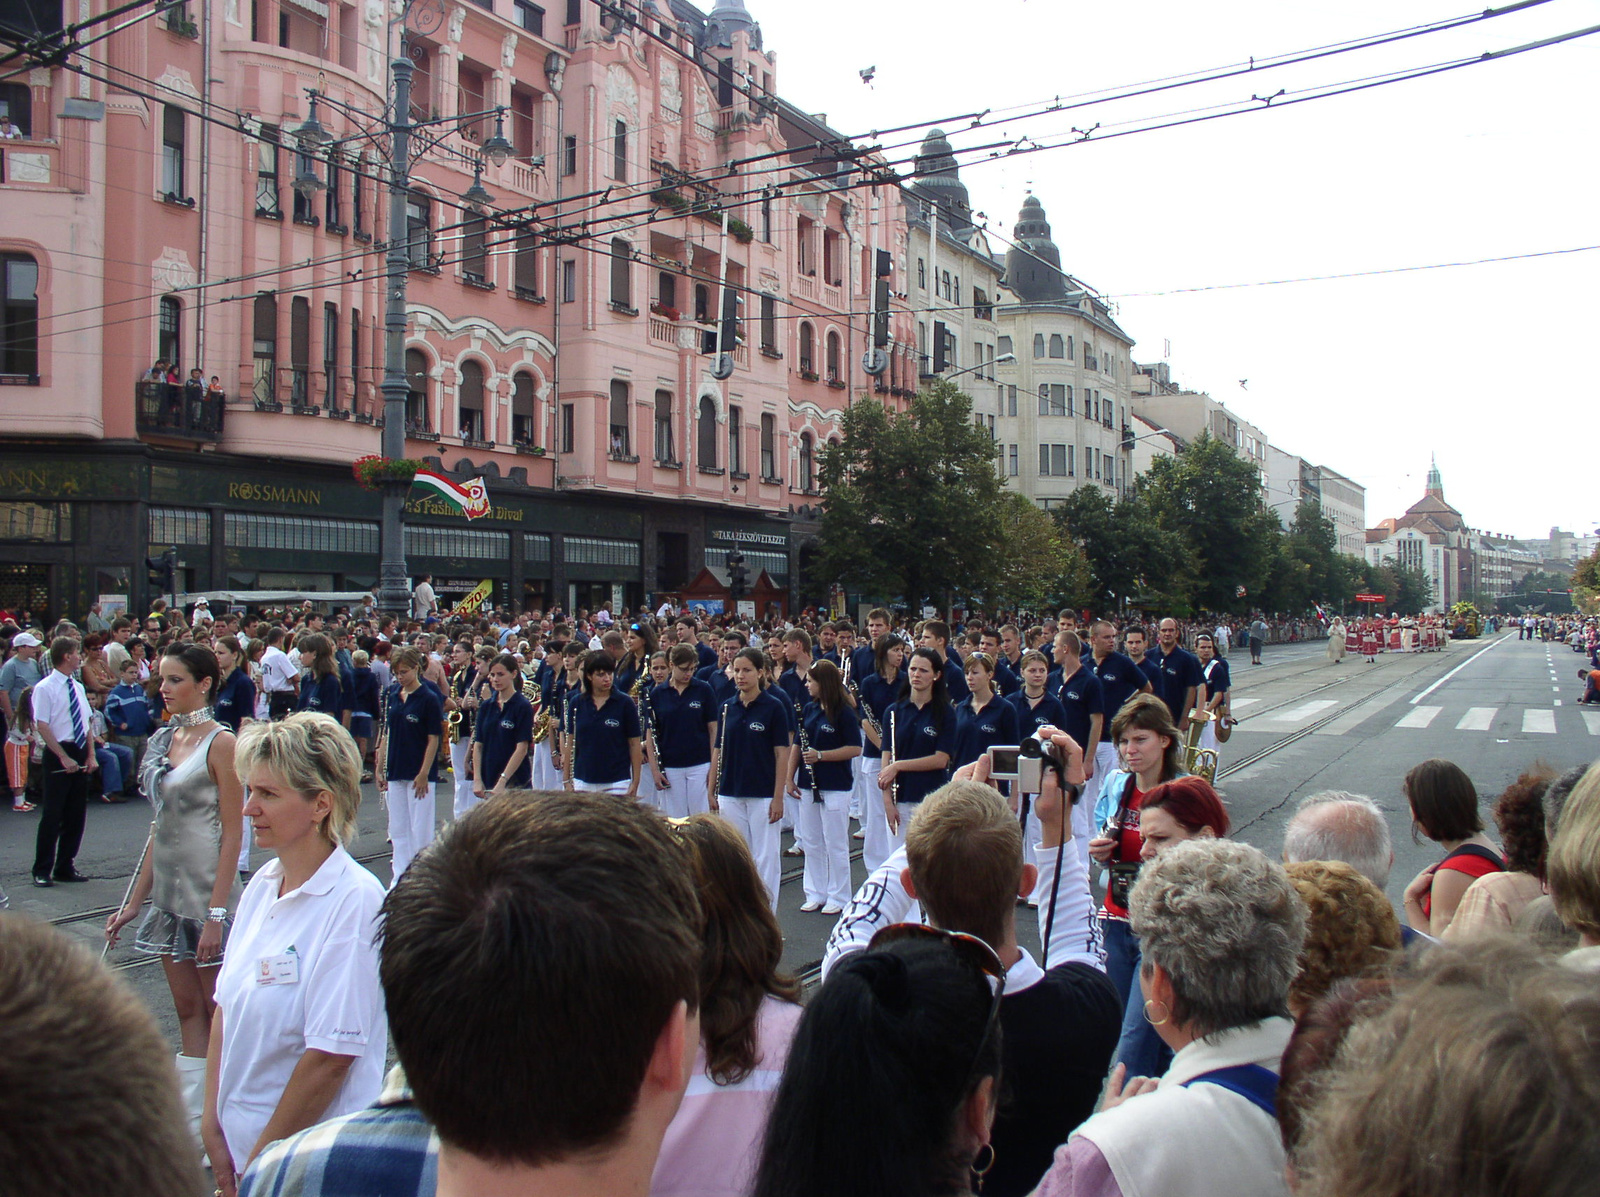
x=880, y=300
x=737, y=576
x=732, y=321
x=162, y=572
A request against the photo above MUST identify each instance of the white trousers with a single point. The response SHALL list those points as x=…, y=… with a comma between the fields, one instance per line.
x=465, y=799
x=601, y=787
x=545, y=774
x=685, y=794
x=749, y=818
x=244, y=848
x=824, y=834
x=411, y=822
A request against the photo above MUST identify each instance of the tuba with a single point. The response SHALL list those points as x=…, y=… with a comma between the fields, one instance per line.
x=1201, y=762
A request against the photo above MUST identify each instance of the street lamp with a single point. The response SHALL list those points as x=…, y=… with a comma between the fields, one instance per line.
x=497, y=149
x=477, y=196
x=1004, y=357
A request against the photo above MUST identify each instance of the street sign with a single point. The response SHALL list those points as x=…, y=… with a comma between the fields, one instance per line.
x=1371, y=598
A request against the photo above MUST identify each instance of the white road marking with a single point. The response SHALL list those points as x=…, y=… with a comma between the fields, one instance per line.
x=1592, y=718
x=1538, y=721
x=1477, y=719
x=1420, y=717
x=1243, y=702
x=1455, y=671
x=1302, y=712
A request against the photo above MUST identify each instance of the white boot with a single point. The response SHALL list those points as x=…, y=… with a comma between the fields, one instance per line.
x=192, y=1087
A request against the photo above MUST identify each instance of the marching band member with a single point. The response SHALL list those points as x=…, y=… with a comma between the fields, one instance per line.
x=660, y=668
x=463, y=682
x=793, y=682
x=322, y=691
x=921, y=730
x=936, y=636
x=821, y=779
x=1180, y=670
x=568, y=684
x=749, y=764
x=1215, y=694
x=1006, y=681
x=1082, y=698
x=503, y=734
x=865, y=659
x=879, y=689
x=640, y=639
x=683, y=724
x=1034, y=706
x=408, y=757
x=716, y=676
x=1137, y=641
x=604, y=729
x=985, y=719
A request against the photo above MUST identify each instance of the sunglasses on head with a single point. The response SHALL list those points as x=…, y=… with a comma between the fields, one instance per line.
x=971, y=949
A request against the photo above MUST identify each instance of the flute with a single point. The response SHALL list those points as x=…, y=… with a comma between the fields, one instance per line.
x=722, y=751
x=892, y=749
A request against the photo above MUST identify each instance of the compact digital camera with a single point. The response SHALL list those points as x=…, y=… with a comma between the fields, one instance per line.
x=1025, y=763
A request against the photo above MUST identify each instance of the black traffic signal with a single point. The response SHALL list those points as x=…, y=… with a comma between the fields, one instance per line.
x=162, y=572
x=738, y=578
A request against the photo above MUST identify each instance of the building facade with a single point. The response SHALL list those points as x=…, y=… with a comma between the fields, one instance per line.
x=565, y=334
x=1191, y=413
x=1292, y=479
x=1066, y=413
x=1459, y=562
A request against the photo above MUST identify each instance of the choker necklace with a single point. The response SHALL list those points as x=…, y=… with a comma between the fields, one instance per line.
x=193, y=718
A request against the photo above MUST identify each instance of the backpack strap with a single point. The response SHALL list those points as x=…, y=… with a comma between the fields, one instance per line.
x=1257, y=1085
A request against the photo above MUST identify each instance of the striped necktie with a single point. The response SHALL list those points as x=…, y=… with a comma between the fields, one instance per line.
x=77, y=713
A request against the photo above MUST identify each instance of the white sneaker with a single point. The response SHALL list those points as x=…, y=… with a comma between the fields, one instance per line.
x=811, y=908
x=833, y=908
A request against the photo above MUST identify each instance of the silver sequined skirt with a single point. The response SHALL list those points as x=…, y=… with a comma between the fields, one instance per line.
x=163, y=933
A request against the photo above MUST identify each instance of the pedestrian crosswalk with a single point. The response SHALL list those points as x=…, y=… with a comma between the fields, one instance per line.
x=1503, y=722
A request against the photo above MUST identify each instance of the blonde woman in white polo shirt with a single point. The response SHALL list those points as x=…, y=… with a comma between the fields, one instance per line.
x=299, y=1034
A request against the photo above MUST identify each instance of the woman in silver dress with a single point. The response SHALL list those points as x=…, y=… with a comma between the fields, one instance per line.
x=189, y=871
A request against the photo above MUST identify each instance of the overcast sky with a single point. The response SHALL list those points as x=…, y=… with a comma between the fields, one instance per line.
x=1487, y=366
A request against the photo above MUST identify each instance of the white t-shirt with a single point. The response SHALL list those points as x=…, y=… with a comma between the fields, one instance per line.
x=278, y=672
x=422, y=601
x=316, y=942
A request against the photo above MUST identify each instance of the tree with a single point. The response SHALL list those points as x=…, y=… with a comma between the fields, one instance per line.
x=1586, y=584
x=1211, y=497
x=912, y=501
x=1041, y=566
x=1127, y=552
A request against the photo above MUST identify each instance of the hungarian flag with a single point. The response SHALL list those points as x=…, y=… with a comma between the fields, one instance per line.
x=471, y=498
x=1321, y=614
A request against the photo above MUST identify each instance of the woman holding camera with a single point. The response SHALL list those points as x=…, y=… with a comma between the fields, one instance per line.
x=985, y=719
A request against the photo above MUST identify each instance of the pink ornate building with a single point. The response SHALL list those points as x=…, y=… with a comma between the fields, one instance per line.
x=557, y=336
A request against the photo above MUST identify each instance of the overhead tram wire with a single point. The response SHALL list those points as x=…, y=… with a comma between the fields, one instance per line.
x=501, y=217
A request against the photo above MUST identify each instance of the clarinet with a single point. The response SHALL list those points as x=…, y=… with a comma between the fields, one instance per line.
x=380, y=754
x=867, y=716
x=805, y=747
x=647, y=716
x=722, y=751
x=894, y=754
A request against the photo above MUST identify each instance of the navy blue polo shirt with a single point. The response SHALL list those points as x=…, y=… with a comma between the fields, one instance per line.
x=863, y=663
x=235, y=701
x=680, y=722
x=1180, y=669
x=748, y=736
x=707, y=654
x=1150, y=667
x=917, y=734
x=626, y=675
x=1082, y=698
x=955, y=678
x=323, y=694
x=500, y=728
x=879, y=695
x=978, y=731
x=411, y=721
x=1120, y=680
x=1031, y=718
x=794, y=687
x=347, y=687
x=1006, y=680
x=1218, y=677
x=824, y=733
x=603, y=733
x=722, y=687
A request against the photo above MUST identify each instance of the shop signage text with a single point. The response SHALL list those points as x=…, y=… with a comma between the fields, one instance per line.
x=435, y=507
x=750, y=537
x=257, y=492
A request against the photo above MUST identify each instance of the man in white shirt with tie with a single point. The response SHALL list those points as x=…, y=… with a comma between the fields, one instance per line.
x=61, y=716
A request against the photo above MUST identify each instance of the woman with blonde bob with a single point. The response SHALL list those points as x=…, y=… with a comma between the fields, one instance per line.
x=299, y=1033
x=1573, y=868
x=1221, y=929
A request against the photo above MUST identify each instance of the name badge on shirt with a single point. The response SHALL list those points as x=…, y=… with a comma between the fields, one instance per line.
x=283, y=969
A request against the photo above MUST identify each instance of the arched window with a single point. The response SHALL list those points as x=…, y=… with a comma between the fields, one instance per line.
x=620, y=438
x=1058, y=347
x=807, y=352
x=1038, y=344
x=807, y=463
x=522, y=415
x=418, y=389
x=169, y=335
x=621, y=275
x=833, y=357
x=664, y=451
x=706, y=434
x=469, y=399
x=619, y=152
x=769, y=447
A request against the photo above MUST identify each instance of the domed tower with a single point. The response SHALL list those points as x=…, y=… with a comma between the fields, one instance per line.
x=1033, y=264
x=727, y=17
x=939, y=181
x=1435, y=489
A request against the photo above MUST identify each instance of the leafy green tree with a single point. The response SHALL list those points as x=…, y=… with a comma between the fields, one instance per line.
x=1211, y=498
x=1041, y=567
x=1586, y=584
x=1126, y=550
x=912, y=501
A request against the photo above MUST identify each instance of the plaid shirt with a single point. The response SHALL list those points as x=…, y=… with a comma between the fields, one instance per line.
x=386, y=1150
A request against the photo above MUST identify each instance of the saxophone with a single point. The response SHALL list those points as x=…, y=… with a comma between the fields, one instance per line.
x=454, y=720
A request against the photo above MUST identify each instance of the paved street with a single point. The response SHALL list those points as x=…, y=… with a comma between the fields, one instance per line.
x=1493, y=706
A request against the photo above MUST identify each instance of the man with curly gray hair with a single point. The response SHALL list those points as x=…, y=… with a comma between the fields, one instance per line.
x=1221, y=928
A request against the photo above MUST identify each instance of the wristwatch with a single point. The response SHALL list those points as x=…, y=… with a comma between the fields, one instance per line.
x=217, y=914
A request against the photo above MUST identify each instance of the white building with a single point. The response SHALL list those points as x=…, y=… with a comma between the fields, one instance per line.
x=1151, y=442
x=1291, y=478
x=1189, y=413
x=1065, y=416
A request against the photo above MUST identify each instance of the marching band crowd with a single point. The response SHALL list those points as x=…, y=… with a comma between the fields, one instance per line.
x=580, y=974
